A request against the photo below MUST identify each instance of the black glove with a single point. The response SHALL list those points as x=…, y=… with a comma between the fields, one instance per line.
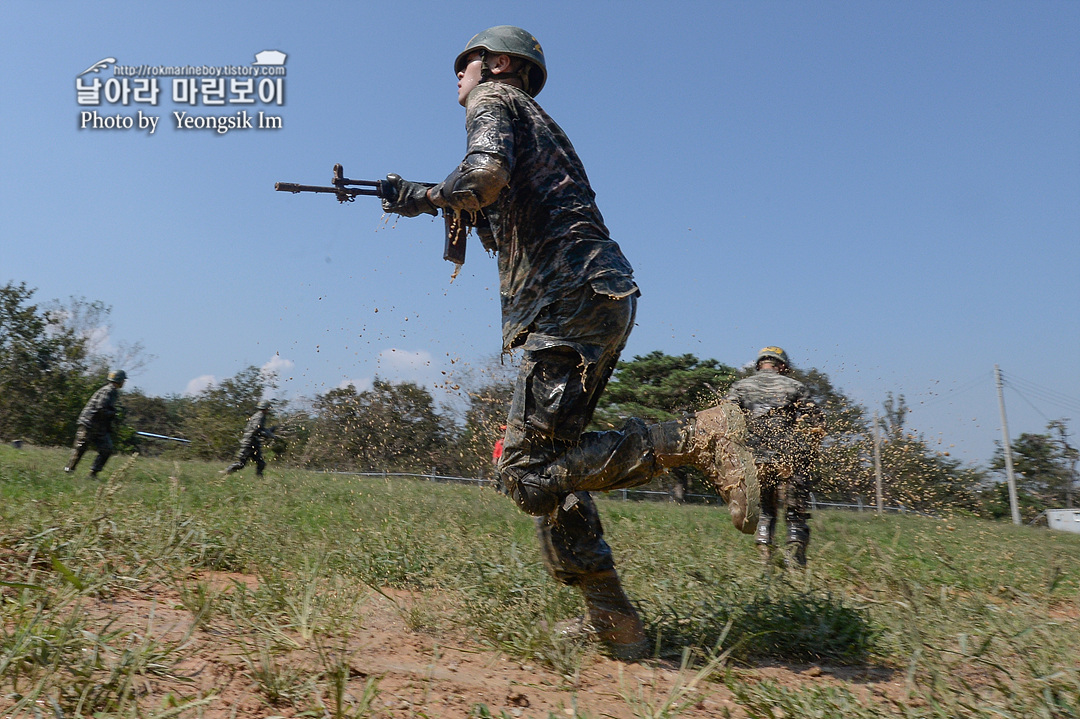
x=411, y=200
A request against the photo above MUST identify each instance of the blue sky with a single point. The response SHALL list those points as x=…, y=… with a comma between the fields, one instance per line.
x=889, y=190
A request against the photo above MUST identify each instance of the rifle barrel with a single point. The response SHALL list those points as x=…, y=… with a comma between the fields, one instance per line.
x=377, y=184
x=161, y=436
x=373, y=189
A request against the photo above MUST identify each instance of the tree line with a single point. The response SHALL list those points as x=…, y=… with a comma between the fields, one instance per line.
x=49, y=367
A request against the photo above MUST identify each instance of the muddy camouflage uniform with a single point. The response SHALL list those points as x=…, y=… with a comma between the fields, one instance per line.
x=779, y=412
x=95, y=428
x=568, y=303
x=251, y=444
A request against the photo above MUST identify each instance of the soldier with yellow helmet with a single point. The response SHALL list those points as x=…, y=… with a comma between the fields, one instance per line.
x=783, y=427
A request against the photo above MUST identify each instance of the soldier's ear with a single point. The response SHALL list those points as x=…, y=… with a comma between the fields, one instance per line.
x=500, y=64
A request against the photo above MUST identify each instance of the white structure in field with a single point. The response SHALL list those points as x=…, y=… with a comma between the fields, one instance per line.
x=1067, y=520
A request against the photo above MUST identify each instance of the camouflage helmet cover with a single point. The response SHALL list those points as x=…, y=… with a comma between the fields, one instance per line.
x=776, y=353
x=117, y=375
x=513, y=41
x=264, y=404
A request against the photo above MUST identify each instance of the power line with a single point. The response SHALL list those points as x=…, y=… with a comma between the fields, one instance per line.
x=1046, y=390
x=1043, y=394
x=1023, y=397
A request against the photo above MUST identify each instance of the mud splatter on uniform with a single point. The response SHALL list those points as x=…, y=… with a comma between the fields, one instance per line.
x=568, y=302
x=778, y=408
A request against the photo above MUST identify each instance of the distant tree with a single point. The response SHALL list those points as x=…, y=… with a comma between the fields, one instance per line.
x=915, y=476
x=391, y=427
x=659, y=387
x=1044, y=468
x=44, y=377
x=156, y=415
x=89, y=321
x=214, y=418
x=919, y=478
x=488, y=408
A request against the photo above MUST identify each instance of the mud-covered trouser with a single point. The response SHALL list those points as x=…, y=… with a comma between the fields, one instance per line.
x=790, y=489
x=248, y=452
x=548, y=463
x=84, y=437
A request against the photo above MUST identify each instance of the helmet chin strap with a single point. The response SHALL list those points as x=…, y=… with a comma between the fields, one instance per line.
x=485, y=71
x=523, y=75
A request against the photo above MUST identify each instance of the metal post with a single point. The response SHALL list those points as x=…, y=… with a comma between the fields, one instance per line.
x=877, y=468
x=1014, y=503
x=1069, y=454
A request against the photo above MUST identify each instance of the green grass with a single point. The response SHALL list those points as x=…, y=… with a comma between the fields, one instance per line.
x=981, y=619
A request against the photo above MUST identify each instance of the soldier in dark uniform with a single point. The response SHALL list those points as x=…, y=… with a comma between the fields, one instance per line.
x=568, y=302
x=783, y=429
x=95, y=424
x=251, y=442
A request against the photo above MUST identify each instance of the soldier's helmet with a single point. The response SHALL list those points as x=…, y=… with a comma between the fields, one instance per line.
x=264, y=404
x=513, y=41
x=776, y=353
x=118, y=376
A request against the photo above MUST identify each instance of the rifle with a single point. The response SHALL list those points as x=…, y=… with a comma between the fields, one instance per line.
x=346, y=190
x=162, y=436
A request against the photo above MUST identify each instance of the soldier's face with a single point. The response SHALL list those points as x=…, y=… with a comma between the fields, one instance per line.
x=468, y=78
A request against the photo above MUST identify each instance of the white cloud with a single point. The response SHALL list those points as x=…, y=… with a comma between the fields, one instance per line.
x=405, y=365
x=279, y=366
x=199, y=384
x=398, y=365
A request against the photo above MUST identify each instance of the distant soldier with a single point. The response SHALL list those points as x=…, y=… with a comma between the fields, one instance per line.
x=95, y=424
x=251, y=442
x=784, y=427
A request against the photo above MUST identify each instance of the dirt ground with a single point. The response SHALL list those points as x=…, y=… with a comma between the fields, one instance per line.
x=419, y=675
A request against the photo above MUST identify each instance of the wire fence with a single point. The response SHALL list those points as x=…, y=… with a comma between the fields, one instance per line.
x=649, y=495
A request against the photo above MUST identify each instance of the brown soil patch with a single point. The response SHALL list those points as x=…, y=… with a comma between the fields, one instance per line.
x=419, y=675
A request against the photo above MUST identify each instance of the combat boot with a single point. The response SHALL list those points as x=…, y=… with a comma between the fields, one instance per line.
x=73, y=462
x=719, y=452
x=795, y=555
x=763, y=538
x=712, y=440
x=611, y=618
x=798, y=537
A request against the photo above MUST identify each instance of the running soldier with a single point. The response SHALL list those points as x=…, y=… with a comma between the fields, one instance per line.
x=95, y=424
x=251, y=443
x=568, y=303
x=783, y=429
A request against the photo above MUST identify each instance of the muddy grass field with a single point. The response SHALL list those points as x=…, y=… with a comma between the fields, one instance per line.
x=169, y=591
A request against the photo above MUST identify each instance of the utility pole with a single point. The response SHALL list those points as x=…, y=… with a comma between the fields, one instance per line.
x=1007, y=450
x=877, y=468
x=1068, y=454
